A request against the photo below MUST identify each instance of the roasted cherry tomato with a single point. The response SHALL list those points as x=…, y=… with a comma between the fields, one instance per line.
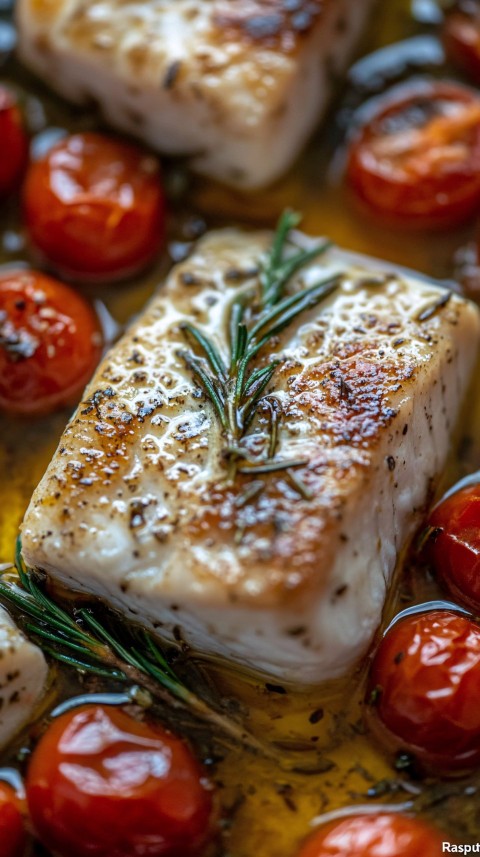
x=94, y=207
x=13, y=143
x=101, y=784
x=50, y=343
x=461, y=35
x=423, y=689
x=379, y=835
x=416, y=163
x=454, y=546
x=12, y=832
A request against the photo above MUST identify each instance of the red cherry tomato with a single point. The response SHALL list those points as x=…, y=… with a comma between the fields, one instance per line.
x=50, y=343
x=94, y=207
x=423, y=689
x=461, y=35
x=13, y=143
x=454, y=547
x=12, y=832
x=416, y=163
x=101, y=784
x=379, y=835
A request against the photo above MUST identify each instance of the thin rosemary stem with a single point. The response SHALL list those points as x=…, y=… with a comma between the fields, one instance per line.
x=101, y=652
x=255, y=318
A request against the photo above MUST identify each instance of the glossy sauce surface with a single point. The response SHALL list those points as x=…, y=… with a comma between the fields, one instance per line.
x=268, y=810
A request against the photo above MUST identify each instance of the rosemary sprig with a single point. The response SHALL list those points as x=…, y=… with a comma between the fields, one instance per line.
x=77, y=638
x=256, y=316
x=130, y=655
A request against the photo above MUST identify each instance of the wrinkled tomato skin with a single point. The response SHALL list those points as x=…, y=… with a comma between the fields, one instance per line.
x=374, y=835
x=454, y=548
x=101, y=784
x=461, y=36
x=12, y=832
x=13, y=144
x=425, y=190
x=94, y=207
x=423, y=691
x=50, y=343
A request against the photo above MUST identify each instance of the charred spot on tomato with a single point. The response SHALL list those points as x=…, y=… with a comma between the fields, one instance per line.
x=50, y=343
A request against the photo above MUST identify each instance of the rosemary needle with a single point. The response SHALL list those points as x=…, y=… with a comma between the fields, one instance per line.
x=236, y=390
x=77, y=638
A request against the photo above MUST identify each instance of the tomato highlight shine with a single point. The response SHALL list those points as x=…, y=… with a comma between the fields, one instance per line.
x=94, y=207
x=102, y=784
x=416, y=162
x=50, y=343
x=454, y=548
x=423, y=690
x=374, y=835
x=12, y=831
x=13, y=144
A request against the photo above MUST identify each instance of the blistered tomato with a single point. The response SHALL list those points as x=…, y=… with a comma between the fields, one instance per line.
x=102, y=784
x=454, y=545
x=12, y=833
x=50, y=343
x=94, y=207
x=13, y=143
x=461, y=35
x=416, y=162
x=423, y=689
x=374, y=835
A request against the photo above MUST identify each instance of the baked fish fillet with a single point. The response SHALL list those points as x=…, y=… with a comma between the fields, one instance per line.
x=286, y=572
x=237, y=85
x=23, y=677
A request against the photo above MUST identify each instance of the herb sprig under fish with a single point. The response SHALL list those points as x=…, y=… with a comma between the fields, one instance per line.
x=78, y=638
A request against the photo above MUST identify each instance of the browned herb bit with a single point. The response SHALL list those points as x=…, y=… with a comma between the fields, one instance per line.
x=430, y=311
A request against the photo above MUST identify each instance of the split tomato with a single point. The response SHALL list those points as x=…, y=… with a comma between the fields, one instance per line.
x=416, y=162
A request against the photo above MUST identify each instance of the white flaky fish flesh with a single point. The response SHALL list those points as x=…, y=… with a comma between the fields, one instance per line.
x=23, y=678
x=285, y=571
x=237, y=86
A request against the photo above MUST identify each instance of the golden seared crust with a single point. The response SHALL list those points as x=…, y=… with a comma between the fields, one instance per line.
x=273, y=23
x=270, y=24
x=143, y=453
x=235, y=85
x=248, y=26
